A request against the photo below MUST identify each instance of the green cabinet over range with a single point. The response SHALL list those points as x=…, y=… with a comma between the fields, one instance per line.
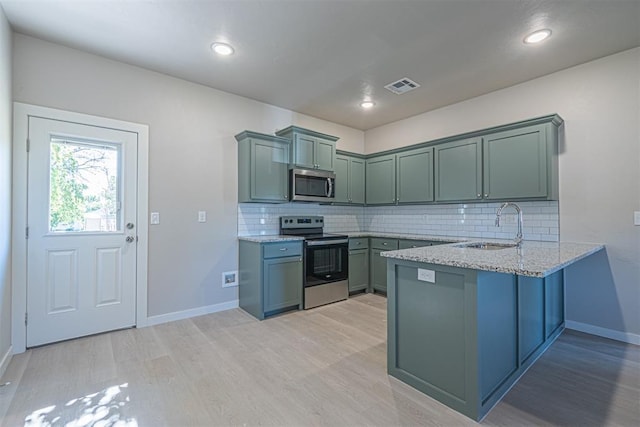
x=310, y=149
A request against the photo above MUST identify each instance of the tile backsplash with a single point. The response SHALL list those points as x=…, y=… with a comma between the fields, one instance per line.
x=475, y=220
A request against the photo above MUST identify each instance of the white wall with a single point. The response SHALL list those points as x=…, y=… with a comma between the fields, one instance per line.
x=193, y=157
x=5, y=187
x=599, y=173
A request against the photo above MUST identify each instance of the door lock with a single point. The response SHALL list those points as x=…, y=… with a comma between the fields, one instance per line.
x=129, y=225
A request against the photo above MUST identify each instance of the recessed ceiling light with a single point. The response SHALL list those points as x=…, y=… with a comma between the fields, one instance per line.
x=222, y=49
x=537, y=37
x=367, y=104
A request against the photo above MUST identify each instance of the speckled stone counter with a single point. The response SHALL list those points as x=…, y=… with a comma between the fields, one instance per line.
x=269, y=238
x=534, y=259
x=406, y=236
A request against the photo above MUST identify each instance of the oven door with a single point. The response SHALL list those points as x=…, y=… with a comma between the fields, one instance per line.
x=326, y=261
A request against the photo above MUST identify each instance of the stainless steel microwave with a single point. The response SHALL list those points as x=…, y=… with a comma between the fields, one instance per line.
x=310, y=185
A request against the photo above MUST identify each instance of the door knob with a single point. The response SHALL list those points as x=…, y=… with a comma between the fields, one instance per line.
x=130, y=239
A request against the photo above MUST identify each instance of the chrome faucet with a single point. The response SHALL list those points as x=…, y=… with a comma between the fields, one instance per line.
x=518, y=238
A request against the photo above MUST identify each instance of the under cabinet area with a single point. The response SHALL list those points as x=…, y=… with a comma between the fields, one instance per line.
x=271, y=279
x=310, y=149
x=350, y=180
x=263, y=165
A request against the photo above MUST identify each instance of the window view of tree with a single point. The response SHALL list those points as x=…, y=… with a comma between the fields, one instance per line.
x=83, y=187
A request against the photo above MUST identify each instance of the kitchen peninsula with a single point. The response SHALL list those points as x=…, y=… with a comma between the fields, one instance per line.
x=464, y=323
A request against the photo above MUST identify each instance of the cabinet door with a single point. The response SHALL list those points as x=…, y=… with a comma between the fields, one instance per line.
x=269, y=168
x=356, y=180
x=303, y=151
x=378, y=274
x=381, y=180
x=458, y=170
x=325, y=154
x=282, y=282
x=342, y=179
x=415, y=176
x=515, y=164
x=358, y=269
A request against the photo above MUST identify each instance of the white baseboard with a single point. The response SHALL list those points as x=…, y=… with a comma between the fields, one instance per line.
x=193, y=312
x=603, y=332
x=5, y=360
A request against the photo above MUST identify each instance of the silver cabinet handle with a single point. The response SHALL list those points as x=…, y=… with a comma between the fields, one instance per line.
x=384, y=243
x=486, y=195
x=479, y=195
x=130, y=239
x=284, y=249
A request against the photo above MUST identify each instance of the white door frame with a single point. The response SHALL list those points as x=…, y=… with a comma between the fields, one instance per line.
x=21, y=114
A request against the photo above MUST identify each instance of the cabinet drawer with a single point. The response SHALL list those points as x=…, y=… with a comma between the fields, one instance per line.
x=382, y=243
x=358, y=243
x=410, y=243
x=282, y=249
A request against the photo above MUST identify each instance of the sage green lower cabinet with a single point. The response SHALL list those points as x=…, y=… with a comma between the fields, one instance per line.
x=358, y=264
x=263, y=166
x=466, y=337
x=270, y=277
x=378, y=265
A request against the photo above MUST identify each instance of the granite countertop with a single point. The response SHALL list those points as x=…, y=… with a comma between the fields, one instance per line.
x=535, y=259
x=406, y=236
x=270, y=238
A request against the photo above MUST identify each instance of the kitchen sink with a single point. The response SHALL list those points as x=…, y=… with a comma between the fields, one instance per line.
x=487, y=246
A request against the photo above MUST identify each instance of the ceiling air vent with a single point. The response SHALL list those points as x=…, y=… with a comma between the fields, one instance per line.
x=402, y=86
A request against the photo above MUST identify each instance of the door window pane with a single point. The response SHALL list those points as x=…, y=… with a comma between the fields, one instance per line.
x=84, y=190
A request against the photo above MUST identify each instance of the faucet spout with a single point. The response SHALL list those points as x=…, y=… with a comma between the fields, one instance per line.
x=518, y=238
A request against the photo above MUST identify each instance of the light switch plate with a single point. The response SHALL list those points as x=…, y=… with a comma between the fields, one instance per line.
x=636, y=218
x=426, y=275
x=202, y=216
x=155, y=218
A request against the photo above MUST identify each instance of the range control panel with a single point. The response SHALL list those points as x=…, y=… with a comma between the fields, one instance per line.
x=301, y=221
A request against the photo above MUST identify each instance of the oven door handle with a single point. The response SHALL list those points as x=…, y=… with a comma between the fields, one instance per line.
x=326, y=242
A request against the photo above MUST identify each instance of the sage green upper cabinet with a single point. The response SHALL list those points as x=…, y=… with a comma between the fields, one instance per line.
x=263, y=164
x=517, y=164
x=415, y=176
x=310, y=149
x=350, y=173
x=458, y=170
x=381, y=180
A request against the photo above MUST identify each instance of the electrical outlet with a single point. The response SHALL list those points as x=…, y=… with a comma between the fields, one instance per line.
x=155, y=218
x=426, y=275
x=202, y=216
x=229, y=279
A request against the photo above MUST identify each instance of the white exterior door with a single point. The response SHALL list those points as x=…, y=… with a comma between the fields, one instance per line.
x=81, y=218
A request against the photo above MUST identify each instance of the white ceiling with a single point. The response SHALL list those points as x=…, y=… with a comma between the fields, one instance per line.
x=323, y=57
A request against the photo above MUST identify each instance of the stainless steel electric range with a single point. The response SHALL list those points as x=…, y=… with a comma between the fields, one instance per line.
x=326, y=260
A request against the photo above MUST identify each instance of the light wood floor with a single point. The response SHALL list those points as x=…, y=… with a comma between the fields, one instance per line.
x=325, y=366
